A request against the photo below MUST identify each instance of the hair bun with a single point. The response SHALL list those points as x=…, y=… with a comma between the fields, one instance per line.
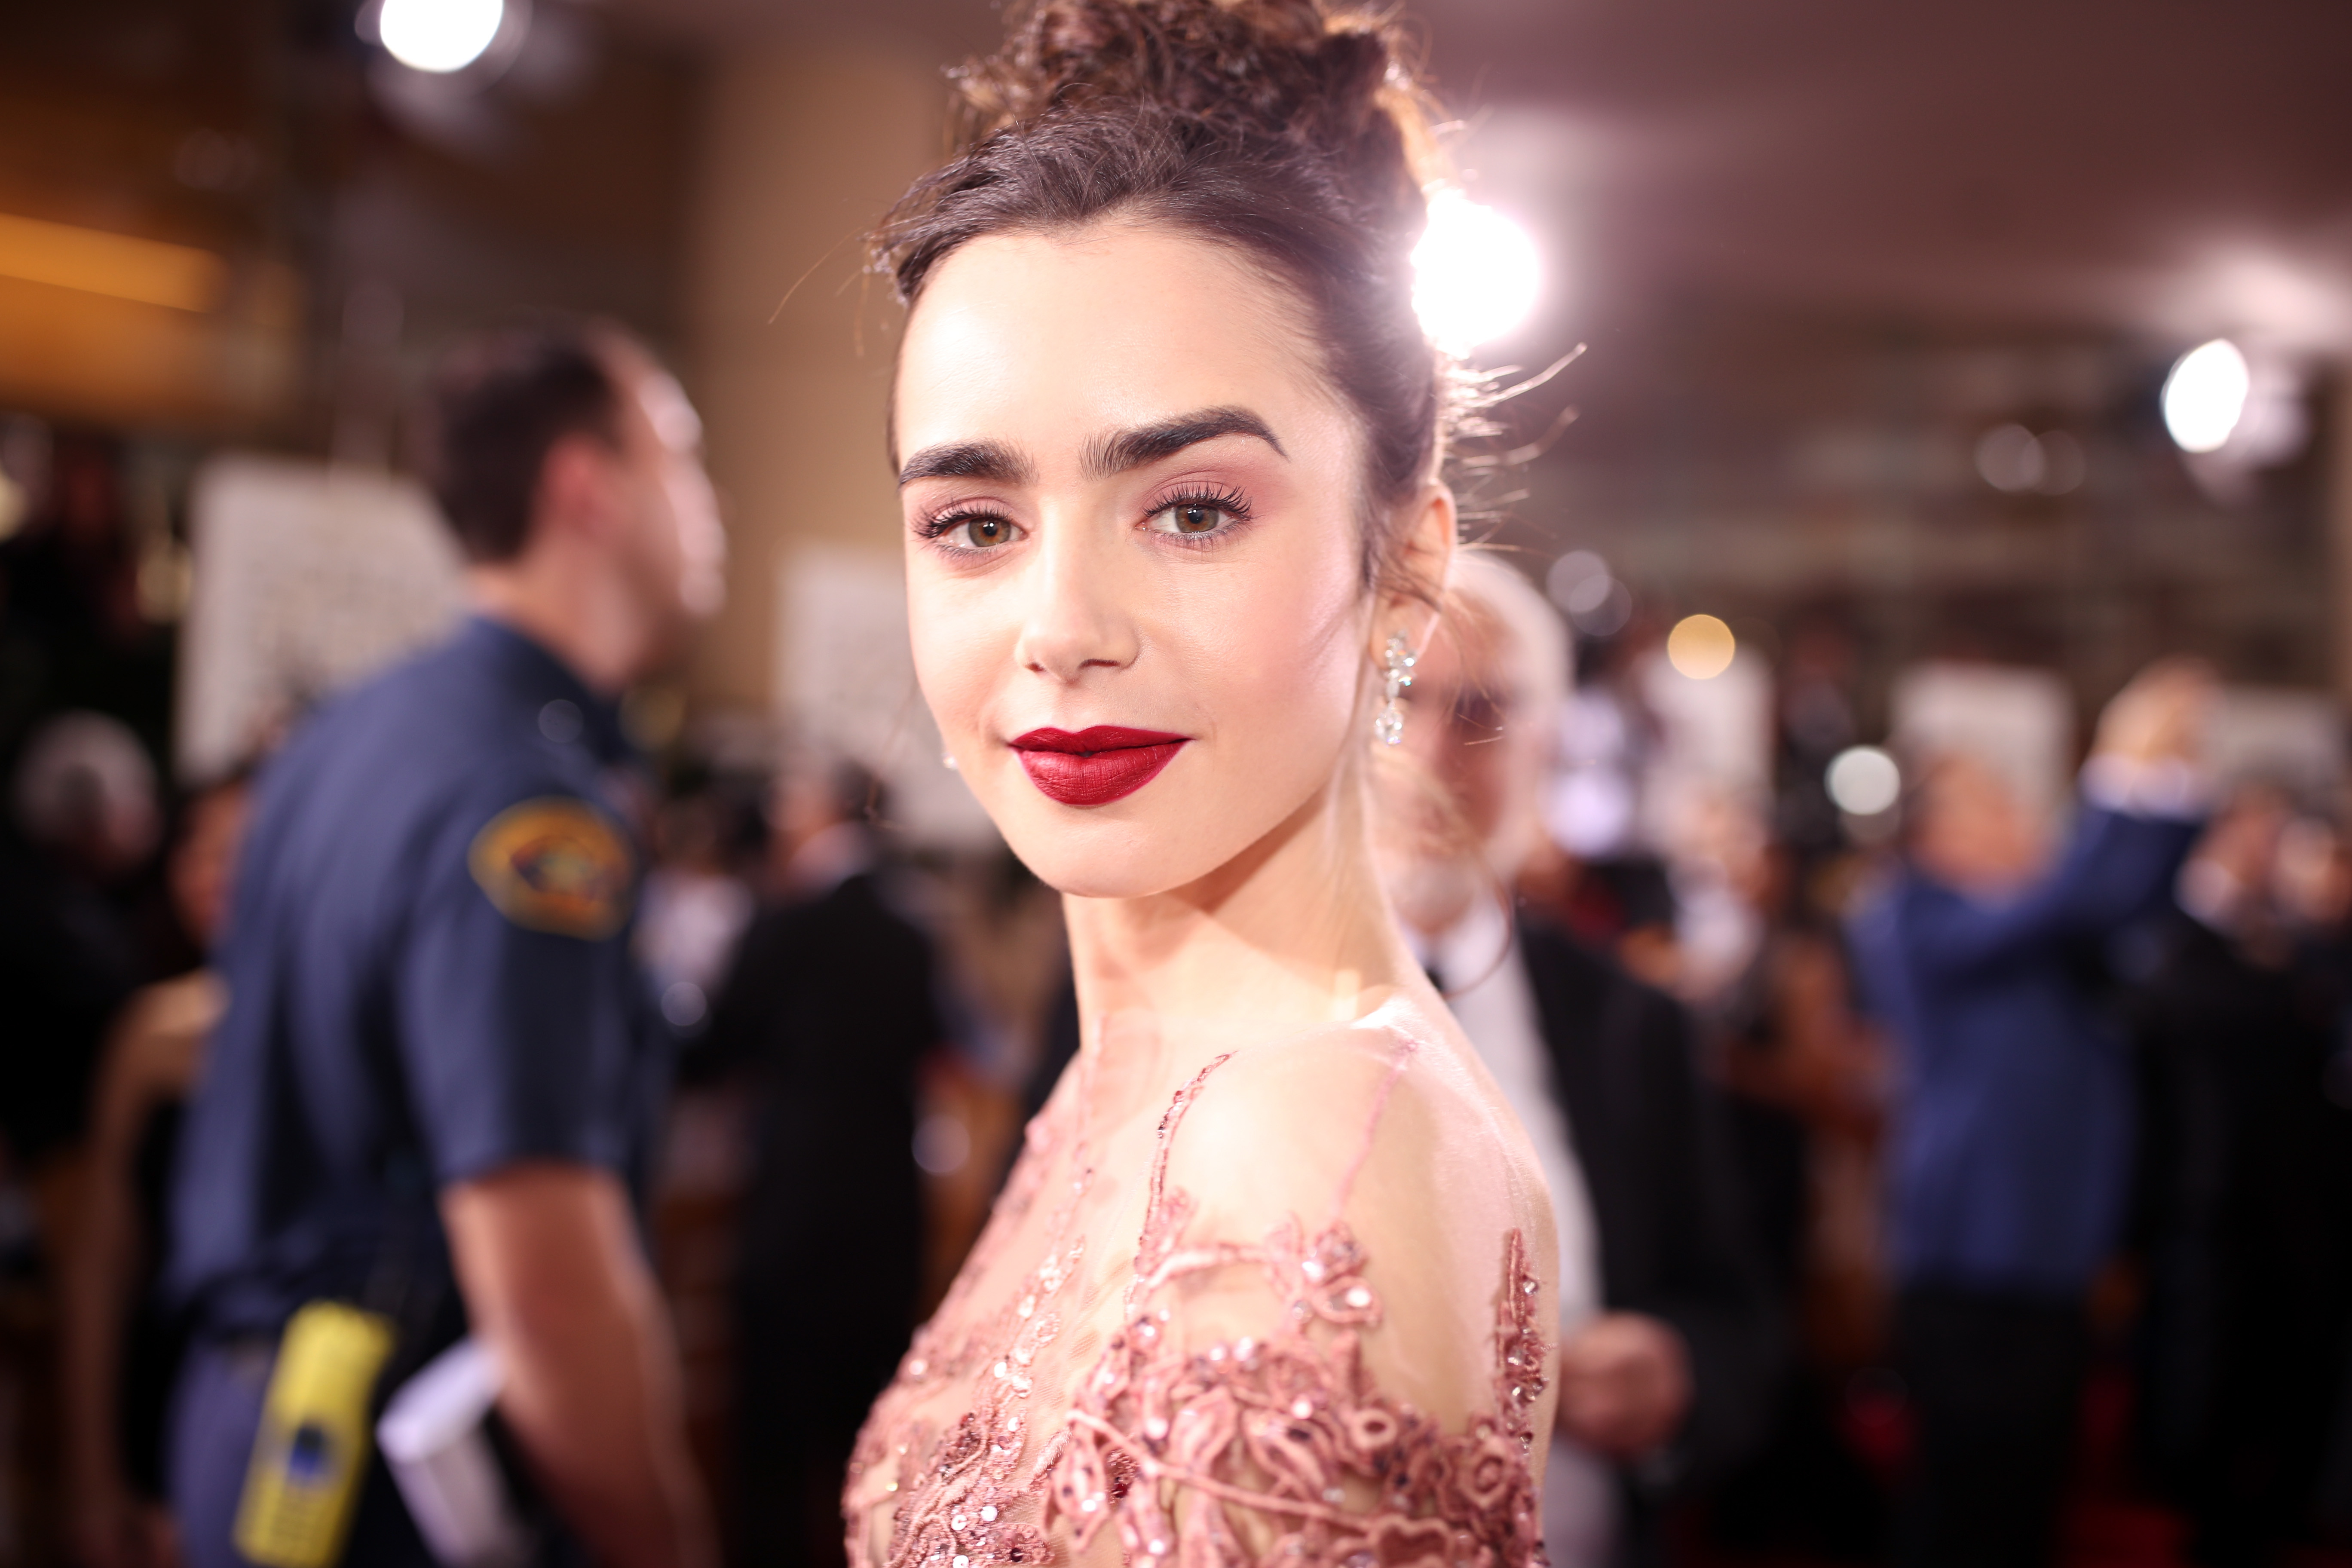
x=1293, y=70
x=1292, y=130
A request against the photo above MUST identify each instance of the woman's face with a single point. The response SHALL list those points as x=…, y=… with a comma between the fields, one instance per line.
x=1133, y=550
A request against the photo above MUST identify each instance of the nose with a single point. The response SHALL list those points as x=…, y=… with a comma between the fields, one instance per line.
x=1075, y=618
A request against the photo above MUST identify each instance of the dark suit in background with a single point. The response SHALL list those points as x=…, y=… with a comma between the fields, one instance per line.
x=2246, y=1227
x=831, y=1007
x=1674, y=1233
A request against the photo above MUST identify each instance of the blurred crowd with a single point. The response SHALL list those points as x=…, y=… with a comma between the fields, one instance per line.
x=1964, y=1181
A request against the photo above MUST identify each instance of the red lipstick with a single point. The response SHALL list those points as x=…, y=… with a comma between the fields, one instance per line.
x=1094, y=767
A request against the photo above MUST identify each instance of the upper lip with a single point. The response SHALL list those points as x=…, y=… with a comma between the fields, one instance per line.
x=1095, y=738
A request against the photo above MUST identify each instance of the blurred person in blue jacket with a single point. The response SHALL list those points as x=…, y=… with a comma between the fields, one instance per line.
x=2010, y=1153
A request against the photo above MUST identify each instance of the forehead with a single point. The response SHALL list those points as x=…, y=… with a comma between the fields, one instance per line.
x=1046, y=339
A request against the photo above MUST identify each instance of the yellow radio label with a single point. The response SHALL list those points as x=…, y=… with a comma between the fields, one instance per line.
x=312, y=1450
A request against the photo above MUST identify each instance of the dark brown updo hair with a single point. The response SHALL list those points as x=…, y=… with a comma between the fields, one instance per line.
x=1292, y=130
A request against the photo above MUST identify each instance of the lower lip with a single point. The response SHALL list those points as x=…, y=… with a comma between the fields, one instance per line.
x=1097, y=778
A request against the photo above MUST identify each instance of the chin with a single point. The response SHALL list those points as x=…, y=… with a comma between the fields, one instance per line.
x=1156, y=841
x=1113, y=858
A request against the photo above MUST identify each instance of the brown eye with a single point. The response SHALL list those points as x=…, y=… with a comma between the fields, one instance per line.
x=986, y=532
x=1190, y=517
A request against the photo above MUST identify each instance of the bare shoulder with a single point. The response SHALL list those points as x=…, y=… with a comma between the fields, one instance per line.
x=1387, y=1133
x=1390, y=1119
x=1335, y=1336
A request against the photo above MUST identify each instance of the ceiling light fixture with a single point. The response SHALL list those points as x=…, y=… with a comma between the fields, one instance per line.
x=2205, y=395
x=122, y=264
x=1475, y=274
x=439, y=36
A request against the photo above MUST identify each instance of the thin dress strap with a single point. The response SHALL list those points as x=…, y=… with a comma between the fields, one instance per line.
x=1161, y=1215
x=1197, y=1450
x=1291, y=1429
x=1406, y=1046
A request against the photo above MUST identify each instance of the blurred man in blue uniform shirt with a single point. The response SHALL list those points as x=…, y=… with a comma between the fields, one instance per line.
x=2011, y=1143
x=434, y=1093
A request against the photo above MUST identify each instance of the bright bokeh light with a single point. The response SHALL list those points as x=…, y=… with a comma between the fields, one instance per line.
x=1475, y=273
x=2205, y=395
x=1864, y=781
x=2013, y=458
x=1700, y=647
x=439, y=36
x=1578, y=582
x=1597, y=603
x=2009, y=459
x=942, y=1143
x=684, y=1004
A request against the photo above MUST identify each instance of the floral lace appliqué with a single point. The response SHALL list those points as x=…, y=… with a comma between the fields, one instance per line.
x=1258, y=1453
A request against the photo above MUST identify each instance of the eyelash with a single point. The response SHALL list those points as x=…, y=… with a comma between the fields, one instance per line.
x=1232, y=502
x=937, y=527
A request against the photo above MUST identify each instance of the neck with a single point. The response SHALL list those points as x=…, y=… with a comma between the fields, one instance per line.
x=1287, y=934
x=574, y=607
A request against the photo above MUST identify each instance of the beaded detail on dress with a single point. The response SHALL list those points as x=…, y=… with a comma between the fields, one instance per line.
x=1278, y=1452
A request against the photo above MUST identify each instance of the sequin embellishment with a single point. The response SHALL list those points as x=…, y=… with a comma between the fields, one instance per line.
x=1278, y=1452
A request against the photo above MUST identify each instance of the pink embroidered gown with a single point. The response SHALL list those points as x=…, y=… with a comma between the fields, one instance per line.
x=1118, y=1376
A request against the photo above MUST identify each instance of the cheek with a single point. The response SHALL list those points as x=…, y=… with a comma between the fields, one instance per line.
x=699, y=539
x=1275, y=655
x=654, y=531
x=962, y=639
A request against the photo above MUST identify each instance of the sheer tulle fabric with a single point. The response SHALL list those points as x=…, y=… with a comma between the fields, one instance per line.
x=1008, y=1438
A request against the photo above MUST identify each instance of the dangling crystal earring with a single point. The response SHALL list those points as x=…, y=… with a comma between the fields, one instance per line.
x=1390, y=723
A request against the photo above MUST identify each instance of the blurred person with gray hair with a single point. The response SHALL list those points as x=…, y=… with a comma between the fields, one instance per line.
x=2009, y=1148
x=86, y=821
x=1670, y=1342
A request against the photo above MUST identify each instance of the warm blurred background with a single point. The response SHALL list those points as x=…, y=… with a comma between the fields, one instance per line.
x=1885, y=311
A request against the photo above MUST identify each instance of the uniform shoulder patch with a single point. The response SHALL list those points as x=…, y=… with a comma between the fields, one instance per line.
x=555, y=864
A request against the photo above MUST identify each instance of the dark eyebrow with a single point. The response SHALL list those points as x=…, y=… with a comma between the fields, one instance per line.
x=1116, y=454
x=969, y=460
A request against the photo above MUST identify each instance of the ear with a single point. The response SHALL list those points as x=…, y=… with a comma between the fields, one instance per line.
x=576, y=486
x=1407, y=600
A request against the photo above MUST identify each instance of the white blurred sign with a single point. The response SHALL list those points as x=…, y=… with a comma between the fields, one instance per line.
x=1715, y=746
x=307, y=578
x=2019, y=722
x=2272, y=735
x=848, y=686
